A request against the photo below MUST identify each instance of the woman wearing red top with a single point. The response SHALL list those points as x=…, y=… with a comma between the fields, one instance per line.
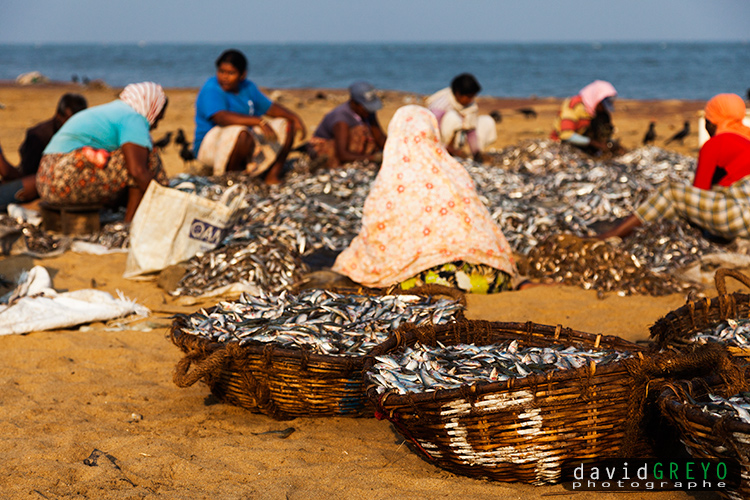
x=724, y=159
x=719, y=199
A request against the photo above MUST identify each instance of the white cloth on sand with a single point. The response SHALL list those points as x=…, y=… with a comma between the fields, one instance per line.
x=34, y=306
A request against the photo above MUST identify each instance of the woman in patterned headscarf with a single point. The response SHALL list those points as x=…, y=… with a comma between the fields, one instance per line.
x=719, y=199
x=585, y=119
x=102, y=151
x=423, y=221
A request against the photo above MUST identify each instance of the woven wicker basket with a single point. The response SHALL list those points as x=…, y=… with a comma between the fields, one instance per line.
x=706, y=436
x=524, y=429
x=677, y=327
x=280, y=382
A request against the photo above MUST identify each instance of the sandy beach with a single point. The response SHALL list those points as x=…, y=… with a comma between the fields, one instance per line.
x=108, y=387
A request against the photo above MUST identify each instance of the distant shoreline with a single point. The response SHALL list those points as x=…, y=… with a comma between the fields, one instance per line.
x=521, y=100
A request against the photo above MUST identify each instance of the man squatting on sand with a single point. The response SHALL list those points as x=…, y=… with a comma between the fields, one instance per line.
x=351, y=131
x=458, y=118
x=19, y=184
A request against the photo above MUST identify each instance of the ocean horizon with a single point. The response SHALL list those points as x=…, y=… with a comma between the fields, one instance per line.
x=642, y=70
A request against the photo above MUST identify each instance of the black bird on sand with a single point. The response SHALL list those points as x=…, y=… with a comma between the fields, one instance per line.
x=496, y=116
x=164, y=141
x=180, y=137
x=650, y=134
x=680, y=136
x=186, y=154
x=527, y=112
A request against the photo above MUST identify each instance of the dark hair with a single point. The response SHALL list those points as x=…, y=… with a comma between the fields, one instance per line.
x=465, y=84
x=71, y=102
x=233, y=57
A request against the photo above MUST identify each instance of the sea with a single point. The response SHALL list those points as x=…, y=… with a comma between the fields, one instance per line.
x=659, y=70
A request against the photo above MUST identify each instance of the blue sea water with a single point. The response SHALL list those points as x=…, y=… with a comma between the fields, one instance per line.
x=638, y=70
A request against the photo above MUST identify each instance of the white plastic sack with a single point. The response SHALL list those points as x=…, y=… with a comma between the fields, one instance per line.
x=171, y=226
x=35, y=306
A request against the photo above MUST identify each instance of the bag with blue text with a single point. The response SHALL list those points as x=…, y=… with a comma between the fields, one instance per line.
x=171, y=226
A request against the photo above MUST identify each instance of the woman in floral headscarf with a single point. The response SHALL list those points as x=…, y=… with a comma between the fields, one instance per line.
x=102, y=151
x=719, y=199
x=423, y=221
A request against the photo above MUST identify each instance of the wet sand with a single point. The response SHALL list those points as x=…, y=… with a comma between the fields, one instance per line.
x=66, y=393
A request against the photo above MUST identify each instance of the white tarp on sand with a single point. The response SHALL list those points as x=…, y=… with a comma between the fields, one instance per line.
x=34, y=305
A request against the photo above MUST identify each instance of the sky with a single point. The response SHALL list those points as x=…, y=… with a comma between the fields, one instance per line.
x=342, y=21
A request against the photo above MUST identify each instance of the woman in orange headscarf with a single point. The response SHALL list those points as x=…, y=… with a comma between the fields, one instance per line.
x=423, y=221
x=719, y=199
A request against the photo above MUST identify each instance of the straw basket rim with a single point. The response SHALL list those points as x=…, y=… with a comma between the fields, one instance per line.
x=408, y=335
x=188, y=342
x=670, y=400
x=678, y=325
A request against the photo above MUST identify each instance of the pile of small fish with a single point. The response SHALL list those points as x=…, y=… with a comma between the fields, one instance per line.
x=424, y=368
x=736, y=406
x=267, y=258
x=546, y=187
x=534, y=190
x=41, y=242
x=732, y=332
x=36, y=239
x=322, y=321
x=598, y=265
x=111, y=235
x=282, y=224
x=324, y=209
x=213, y=187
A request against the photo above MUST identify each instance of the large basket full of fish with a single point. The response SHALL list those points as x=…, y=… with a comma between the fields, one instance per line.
x=515, y=401
x=712, y=417
x=299, y=355
x=725, y=319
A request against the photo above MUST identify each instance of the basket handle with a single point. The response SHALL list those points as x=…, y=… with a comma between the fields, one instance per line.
x=202, y=369
x=721, y=276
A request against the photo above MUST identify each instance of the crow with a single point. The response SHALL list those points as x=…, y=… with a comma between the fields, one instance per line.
x=74, y=78
x=527, y=112
x=680, y=136
x=496, y=116
x=180, y=137
x=164, y=141
x=186, y=154
x=650, y=134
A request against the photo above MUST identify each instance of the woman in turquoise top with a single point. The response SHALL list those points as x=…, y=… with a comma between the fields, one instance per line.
x=103, y=151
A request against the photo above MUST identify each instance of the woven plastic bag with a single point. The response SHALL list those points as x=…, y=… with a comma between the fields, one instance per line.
x=171, y=226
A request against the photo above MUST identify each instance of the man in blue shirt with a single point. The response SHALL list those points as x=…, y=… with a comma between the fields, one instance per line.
x=230, y=132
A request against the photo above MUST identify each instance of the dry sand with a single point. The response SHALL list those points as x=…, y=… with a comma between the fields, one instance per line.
x=65, y=393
